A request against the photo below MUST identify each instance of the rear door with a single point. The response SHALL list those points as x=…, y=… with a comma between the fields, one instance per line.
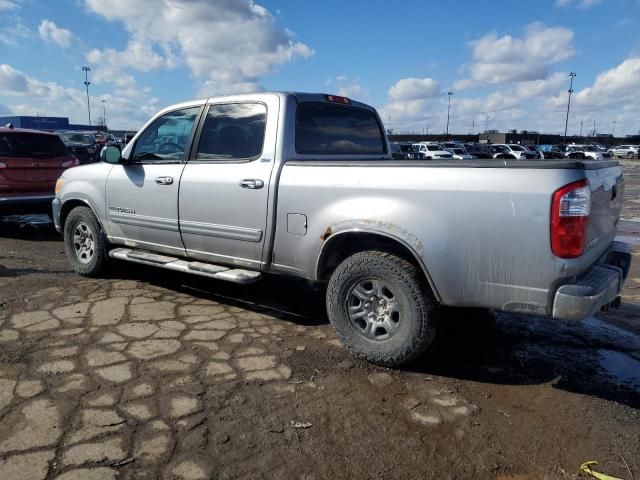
x=225, y=186
x=142, y=194
x=30, y=163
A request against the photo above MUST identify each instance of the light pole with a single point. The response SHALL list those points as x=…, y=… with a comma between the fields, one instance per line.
x=448, y=110
x=104, y=114
x=86, y=71
x=486, y=123
x=566, y=123
x=613, y=130
x=581, y=123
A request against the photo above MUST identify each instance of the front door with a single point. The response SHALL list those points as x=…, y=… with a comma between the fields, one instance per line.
x=142, y=193
x=225, y=186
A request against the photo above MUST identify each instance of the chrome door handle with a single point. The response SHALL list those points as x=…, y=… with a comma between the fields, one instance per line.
x=164, y=180
x=251, y=183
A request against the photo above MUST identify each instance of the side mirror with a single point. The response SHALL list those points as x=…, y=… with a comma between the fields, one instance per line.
x=111, y=154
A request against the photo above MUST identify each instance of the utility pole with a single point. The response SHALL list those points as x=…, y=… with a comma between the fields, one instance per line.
x=428, y=128
x=449, y=93
x=566, y=123
x=473, y=126
x=104, y=114
x=581, y=122
x=86, y=71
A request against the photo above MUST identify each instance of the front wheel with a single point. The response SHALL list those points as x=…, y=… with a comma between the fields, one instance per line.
x=381, y=309
x=84, y=242
x=630, y=155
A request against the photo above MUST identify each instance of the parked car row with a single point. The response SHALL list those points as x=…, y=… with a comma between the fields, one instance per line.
x=471, y=151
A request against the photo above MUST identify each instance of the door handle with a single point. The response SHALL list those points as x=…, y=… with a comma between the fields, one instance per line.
x=251, y=183
x=164, y=180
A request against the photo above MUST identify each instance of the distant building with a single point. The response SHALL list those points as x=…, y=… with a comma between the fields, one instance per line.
x=49, y=124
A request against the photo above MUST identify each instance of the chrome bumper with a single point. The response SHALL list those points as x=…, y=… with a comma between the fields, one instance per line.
x=55, y=207
x=596, y=288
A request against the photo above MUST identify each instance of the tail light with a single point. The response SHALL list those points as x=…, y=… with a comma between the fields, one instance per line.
x=570, y=210
x=337, y=99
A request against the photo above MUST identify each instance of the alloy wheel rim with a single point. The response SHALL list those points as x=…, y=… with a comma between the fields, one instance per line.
x=83, y=242
x=373, y=310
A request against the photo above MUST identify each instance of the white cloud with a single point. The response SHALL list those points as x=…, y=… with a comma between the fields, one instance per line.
x=226, y=44
x=15, y=35
x=546, y=86
x=579, y=3
x=26, y=95
x=538, y=105
x=464, y=84
x=347, y=87
x=51, y=33
x=414, y=89
x=508, y=59
x=7, y=5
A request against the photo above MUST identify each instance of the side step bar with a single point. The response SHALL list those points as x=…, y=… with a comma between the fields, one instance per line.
x=235, y=275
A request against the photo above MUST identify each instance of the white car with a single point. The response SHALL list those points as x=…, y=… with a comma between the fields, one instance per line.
x=589, y=151
x=434, y=151
x=517, y=151
x=627, y=151
x=460, y=154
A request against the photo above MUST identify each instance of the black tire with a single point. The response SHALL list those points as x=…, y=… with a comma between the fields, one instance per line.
x=415, y=326
x=94, y=261
x=630, y=155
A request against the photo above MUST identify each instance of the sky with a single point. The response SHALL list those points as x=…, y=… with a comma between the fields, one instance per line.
x=507, y=63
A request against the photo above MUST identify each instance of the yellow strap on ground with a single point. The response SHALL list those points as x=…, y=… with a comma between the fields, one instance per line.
x=586, y=468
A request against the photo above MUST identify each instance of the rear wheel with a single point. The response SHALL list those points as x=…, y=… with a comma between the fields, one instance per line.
x=630, y=155
x=381, y=308
x=85, y=243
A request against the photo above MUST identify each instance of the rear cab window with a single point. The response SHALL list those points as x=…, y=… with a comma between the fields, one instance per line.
x=329, y=129
x=31, y=145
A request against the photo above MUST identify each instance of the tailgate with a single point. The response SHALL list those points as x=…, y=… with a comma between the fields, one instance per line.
x=607, y=192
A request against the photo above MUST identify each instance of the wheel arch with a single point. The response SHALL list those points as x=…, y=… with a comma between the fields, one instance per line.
x=72, y=203
x=345, y=243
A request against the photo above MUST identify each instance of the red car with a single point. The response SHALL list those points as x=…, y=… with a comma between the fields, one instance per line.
x=30, y=164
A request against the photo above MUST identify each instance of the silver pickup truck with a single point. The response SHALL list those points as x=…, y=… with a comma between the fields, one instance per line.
x=304, y=185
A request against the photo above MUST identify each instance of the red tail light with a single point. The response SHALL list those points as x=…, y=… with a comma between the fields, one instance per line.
x=570, y=210
x=337, y=99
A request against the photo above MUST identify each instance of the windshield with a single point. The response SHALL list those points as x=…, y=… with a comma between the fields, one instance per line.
x=434, y=148
x=517, y=148
x=76, y=137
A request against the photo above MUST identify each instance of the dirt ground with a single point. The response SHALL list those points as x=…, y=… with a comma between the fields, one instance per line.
x=148, y=374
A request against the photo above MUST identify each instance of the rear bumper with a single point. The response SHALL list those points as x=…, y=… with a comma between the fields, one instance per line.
x=25, y=204
x=596, y=288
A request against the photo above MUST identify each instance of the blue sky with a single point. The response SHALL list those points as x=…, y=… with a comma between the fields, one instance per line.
x=506, y=62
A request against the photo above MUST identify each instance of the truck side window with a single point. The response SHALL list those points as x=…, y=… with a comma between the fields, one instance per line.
x=233, y=131
x=166, y=139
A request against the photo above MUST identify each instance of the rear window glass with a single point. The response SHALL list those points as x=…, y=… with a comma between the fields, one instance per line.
x=328, y=129
x=31, y=145
x=76, y=137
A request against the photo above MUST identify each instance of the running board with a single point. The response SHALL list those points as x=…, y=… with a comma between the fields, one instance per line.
x=234, y=275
